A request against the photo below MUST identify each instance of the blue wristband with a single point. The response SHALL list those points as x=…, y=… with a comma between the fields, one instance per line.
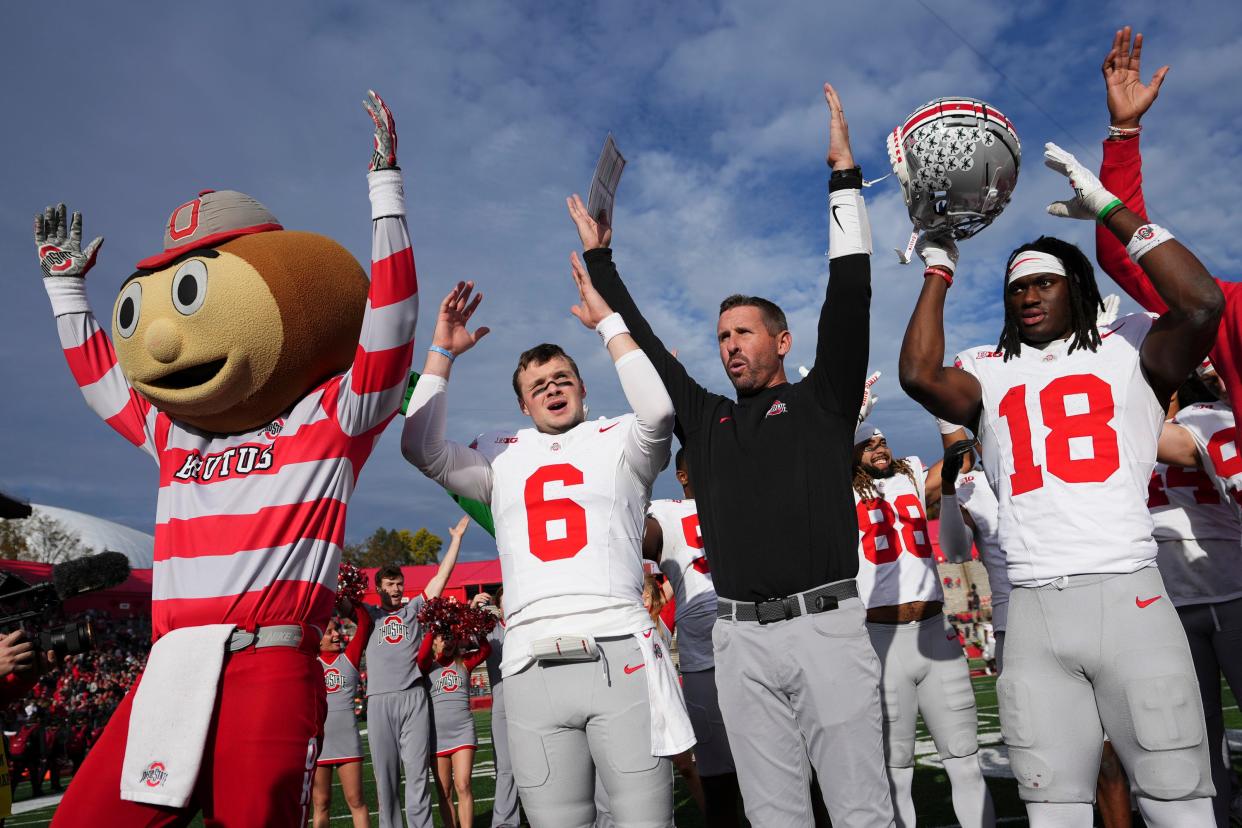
x=436, y=349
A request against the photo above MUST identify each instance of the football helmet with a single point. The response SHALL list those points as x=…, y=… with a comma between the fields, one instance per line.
x=957, y=160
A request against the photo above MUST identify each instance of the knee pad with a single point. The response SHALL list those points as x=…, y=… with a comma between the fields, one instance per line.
x=1168, y=723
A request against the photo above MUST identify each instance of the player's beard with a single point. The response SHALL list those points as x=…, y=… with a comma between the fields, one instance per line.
x=880, y=474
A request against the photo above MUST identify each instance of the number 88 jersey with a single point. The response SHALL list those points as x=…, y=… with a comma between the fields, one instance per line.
x=896, y=564
x=1069, y=443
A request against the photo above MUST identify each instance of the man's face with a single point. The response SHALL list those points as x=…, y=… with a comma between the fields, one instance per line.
x=391, y=590
x=552, y=395
x=1040, y=303
x=751, y=356
x=874, y=457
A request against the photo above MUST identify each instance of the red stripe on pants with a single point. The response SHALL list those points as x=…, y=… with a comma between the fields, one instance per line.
x=256, y=770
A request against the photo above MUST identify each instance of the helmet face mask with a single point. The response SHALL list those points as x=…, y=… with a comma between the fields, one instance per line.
x=957, y=160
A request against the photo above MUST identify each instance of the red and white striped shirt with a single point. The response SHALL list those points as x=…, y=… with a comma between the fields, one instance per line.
x=249, y=527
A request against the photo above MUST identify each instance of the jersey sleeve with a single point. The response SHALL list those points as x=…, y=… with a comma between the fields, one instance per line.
x=478, y=656
x=1121, y=172
x=424, y=659
x=372, y=389
x=650, y=435
x=353, y=651
x=462, y=470
x=92, y=361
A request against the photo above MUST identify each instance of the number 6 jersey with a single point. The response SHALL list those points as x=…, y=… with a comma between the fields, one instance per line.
x=1069, y=443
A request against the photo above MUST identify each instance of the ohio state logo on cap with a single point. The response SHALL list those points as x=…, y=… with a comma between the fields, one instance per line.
x=393, y=629
x=215, y=217
x=154, y=775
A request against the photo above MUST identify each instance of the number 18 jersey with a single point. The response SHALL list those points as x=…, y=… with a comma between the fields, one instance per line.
x=1069, y=443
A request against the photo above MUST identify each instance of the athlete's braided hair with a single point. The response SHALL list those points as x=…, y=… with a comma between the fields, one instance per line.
x=1085, y=301
x=864, y=483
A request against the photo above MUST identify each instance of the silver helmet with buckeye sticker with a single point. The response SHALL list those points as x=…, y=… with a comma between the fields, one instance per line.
x=957, y=160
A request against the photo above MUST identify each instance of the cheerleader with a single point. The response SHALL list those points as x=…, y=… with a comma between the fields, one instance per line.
x=342, y=746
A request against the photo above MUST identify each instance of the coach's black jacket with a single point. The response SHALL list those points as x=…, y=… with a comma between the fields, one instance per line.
x=772, y=472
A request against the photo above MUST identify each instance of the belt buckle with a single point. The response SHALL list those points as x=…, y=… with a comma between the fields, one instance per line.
x=787, y=609
x=241, y=639
x=826, y=603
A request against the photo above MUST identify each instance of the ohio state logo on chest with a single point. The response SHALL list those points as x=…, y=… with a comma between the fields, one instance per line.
x=332, y=680
x=394, y=630
x=234, y=462
x=450, y=680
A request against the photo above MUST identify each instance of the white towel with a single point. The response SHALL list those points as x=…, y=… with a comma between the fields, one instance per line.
x=171, y=715
x=671, y=732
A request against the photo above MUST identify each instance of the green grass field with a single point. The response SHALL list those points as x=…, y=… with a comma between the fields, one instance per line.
x=931, y=786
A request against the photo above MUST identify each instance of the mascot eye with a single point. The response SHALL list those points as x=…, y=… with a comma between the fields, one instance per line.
x=128, y=310
x=189, y=287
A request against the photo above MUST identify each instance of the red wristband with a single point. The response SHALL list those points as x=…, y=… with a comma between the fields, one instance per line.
x=943, y=273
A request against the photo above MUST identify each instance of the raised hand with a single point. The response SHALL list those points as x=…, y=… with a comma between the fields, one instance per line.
x=840, y=156
x=594, y=232
x=384, y=156
x=869, y=400
x=460, y=529
x=1091, y=200
x=61, y=255
x=455, y=312
x=937, y=251
x=1128, y=97
x=591, y=307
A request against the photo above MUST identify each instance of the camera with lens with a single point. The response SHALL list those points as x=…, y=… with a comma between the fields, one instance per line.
x=22, y=602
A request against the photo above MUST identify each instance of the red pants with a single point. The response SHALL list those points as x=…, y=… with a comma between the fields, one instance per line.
x=258, y=762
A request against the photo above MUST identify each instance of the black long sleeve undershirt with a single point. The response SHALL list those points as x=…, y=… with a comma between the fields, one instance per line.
x=772, y=471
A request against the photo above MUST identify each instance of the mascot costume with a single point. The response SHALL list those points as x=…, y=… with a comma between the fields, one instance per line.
x=258, y=369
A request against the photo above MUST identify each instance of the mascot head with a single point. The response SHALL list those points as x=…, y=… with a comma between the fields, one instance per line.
x=237, y=318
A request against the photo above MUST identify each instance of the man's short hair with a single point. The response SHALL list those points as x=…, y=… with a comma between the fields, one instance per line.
x=538, y=355
x=391, y=571
x=679, y=460
x=773, y=317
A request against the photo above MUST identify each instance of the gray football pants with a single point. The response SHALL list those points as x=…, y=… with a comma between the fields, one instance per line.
x=1088, y=655
x=399, y=733
x=803, y=693
x=1215, y=635
x=570, y=720
x=505, y=806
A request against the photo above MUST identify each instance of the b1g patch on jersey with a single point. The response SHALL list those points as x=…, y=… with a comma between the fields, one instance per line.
x=778, y=407
x=154, y=775
x=238, y=461
x=393, y=630
x=450, y=681
x=332, y=681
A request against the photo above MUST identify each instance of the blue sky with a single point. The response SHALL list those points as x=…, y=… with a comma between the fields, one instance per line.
x=124, y=112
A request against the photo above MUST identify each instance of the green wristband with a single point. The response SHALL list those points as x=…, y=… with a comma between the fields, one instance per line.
x=1108, y=209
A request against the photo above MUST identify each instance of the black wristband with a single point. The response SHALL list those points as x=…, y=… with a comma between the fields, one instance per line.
x=850, y=179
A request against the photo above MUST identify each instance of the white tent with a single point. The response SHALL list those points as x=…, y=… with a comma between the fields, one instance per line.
x=100, y=535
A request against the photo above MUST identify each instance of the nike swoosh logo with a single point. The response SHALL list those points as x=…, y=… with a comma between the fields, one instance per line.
x=1107, y=334
x=633, y=668
x=836, y=207
x=647, y=633
x=602, y=429
x=1144, y=604
x=724, y=420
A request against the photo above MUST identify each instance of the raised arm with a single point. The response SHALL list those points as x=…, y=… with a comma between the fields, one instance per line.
x=462, y=470
x=647, y=443
x=364, y=622
x=845, y=318
x=478, y=656
x=653, y=540
x=371, y=391
x=1177, y=447
x=89, y=352
x=947, y=392
x=689, y=398
x=1180, y=339
x=435, y=587
x=1121, y=171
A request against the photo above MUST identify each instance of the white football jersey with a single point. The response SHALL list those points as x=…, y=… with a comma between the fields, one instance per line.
x=896, y=564
x=683, y=561
x=1069, y=442
x=975, y=495
x=569, y=515
x=1212, y=427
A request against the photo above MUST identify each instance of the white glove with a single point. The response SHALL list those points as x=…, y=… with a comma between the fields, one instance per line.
x=1106, y=317
x=937, y=251
x=869, y=399
x=1091, y=200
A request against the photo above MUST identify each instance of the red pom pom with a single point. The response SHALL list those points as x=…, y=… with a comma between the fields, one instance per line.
x=351, y=583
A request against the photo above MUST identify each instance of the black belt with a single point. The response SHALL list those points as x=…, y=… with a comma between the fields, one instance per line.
x=820, y=599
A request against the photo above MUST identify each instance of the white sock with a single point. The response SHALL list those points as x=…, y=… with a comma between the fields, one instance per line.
x=1060, y=814
x=901, y=787
x=972, y=802
x=1187, y=813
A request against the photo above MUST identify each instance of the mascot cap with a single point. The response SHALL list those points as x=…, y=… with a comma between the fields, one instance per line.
x=213, y=218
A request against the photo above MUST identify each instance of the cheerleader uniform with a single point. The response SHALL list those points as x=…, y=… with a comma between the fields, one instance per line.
x=450, y=696
x=341, y=743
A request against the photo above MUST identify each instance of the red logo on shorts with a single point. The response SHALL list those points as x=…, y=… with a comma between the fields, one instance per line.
x=633, y=668
x=1145, y=604
x=154, y=775
x=393, y=629
x=332, y=680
